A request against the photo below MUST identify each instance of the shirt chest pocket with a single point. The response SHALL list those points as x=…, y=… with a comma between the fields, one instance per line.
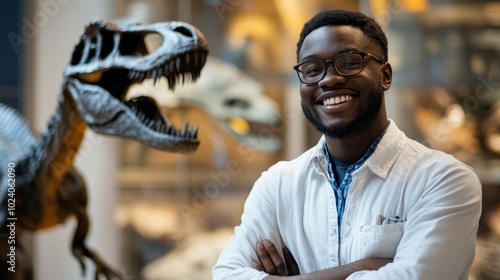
x=380, y=241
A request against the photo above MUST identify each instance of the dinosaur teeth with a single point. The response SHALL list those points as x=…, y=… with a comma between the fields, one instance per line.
x=178, y=63
x=166, y=68
x=170, y=129
x=133, y=74
x=140, y=116
x=150, y=123
x=195, y=56
x=142, y=76
x=181, y=68
x=138, y=75
x=156, y=75
x=203, y=58
x=158, y=126
x=171, y=66
x=172, y=80
x=133, y=109
x=194, y=133
x=186, y=130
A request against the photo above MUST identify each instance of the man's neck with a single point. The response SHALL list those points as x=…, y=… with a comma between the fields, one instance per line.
x=350, y=149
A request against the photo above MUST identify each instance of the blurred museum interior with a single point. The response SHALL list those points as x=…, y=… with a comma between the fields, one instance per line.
x=155, y=213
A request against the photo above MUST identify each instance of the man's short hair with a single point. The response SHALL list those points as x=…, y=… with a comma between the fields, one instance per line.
x=342, y=17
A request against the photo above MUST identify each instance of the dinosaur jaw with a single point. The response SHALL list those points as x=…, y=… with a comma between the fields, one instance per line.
x=109, y=59
x=102, y=103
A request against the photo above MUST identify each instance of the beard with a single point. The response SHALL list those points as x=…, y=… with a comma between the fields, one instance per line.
x=345, y=129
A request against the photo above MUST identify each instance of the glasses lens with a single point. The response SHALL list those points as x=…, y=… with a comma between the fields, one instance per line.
x=349, y=64
x=311, y=71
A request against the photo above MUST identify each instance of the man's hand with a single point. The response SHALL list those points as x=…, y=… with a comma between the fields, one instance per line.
x=271, y=261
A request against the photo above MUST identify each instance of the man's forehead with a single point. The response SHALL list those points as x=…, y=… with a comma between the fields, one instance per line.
x=336, y=38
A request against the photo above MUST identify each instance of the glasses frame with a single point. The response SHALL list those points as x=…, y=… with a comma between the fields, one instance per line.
x=332, y=62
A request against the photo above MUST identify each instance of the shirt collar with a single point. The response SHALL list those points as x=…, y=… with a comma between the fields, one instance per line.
x=381, y=159
x=388, y=150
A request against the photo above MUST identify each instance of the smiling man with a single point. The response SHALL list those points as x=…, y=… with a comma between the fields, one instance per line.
x=366, y=202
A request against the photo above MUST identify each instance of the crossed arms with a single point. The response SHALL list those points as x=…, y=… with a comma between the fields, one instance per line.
x=271, y=262
x=436, y=240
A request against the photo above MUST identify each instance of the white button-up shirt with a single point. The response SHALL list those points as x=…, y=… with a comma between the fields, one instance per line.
x=436, y=198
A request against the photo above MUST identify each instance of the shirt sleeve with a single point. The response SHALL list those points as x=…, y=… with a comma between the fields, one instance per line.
x=258, y=222
x=440, y=230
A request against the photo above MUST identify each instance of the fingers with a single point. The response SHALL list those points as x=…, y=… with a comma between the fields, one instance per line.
x=291, y=264
x=278, y=262
x=258, y=266
x=266, y=264
x=270, y=260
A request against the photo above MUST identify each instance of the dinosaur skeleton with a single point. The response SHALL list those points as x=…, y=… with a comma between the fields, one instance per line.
x=105, y=63
x=236, y=101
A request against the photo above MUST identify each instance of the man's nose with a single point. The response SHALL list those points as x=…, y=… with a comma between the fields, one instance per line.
x=331, y=77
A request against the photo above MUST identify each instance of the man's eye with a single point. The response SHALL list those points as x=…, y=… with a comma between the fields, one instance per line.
x=351, y=64
x=313, y=70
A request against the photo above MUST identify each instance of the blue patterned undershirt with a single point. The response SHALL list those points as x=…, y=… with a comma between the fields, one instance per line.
x=341, y=191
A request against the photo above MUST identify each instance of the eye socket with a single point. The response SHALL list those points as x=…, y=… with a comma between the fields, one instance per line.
x=238, y=103
x=131, y=44
x=107, y=43
x=184, y=31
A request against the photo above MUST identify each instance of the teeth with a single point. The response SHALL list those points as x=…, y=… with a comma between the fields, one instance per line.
x=203, y=58
x=194, y=132
x=158, y=126
x=151, y=123
x=132, y=74
x=171, y=66
x=165, y=128
x=157, y=74
x=195, y=59
x=178, y=63
x=177, y=70
x=337, y=100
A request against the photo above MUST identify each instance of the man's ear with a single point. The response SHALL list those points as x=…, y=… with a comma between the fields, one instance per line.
x=386, y=71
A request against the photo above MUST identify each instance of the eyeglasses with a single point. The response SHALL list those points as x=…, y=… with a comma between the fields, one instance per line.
x=347, y=64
